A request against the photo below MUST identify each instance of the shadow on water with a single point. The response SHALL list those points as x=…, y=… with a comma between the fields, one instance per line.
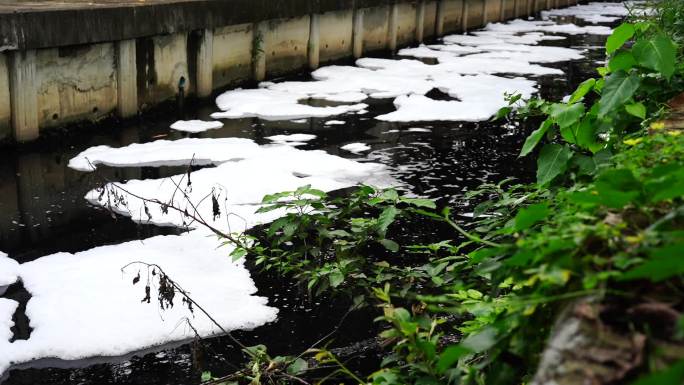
x=43, y=211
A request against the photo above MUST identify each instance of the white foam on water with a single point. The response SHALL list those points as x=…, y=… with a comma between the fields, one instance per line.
x=344, y=97
x=591, y=13
x=504, y=64
x=480, y=97
x=195, y=126
x=498, y=49
x=529, y=53
x=84, y=305
x=270, y=104
x=199, y=151
x=8, y=270
x=7, y=309
x=356, y=148
x=334, y=122
x=547, y=26
x=291, y=138
x=437, y=51
x=237, y=187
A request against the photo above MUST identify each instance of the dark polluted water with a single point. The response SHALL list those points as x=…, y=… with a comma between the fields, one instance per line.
x=43, y=212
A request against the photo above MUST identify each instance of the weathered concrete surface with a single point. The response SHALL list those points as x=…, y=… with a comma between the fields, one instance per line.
x=75, y=84
x=492, y=10
x=392, y=27
x=285, y=45
x=232, y=55
x=41, y=24
x=85, y=59
x=314, y=47
x=521, y=8
x=429, y=24
x=420, y=21
x=406, y=23
x=375, y=28
x=336, y=35
x=126, y=78
x=205, y=63
x=162, y=63
x=5, y=113
x=508, y=9
x=23, y=97
x=474, y=14
x=357, y=33
x=453, y=15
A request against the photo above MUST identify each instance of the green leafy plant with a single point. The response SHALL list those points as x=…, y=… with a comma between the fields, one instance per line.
x=604, y=220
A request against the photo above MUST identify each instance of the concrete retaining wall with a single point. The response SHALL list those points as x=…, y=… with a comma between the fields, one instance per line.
x=336, y=39
x=5, y=113
x=70, y=63
x=232, y=55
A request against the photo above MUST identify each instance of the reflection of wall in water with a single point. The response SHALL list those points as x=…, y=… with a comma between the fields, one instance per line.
x=41, y=199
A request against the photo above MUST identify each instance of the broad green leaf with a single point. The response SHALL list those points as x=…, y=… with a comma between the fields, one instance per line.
x=429, y=348
x=427, y=380
x=569, y=133
x=603, y=71
x=481, y=341
x=265, y=209
x=389, y=195
x=386, y=218
x=616, y=188
x=302, y=189
x=277, y=225
x=528, y=216
x=566, y=115
x=450, y=355
x=665, y=182
x=622, y=61
x=590, y=164
x=238, y=253
x=206, y=376
x=665, y=262
x=418, y=202
x=671, y=375
x=502, y=113
x=642, y=26
x=586, y=135
x=401, y=314
x=534, y=138
x=479, y=255
x=619, y=37
x=658, y=53
x=636, y=109
x=298, y=367
x=585, y=164
x=618, y=89
x=316, y=193
x=427, y=214
x=582, y=90
x=274, y=197
x=336, y=278
x=255, y=351
x=389, y=245
x=552, y=161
